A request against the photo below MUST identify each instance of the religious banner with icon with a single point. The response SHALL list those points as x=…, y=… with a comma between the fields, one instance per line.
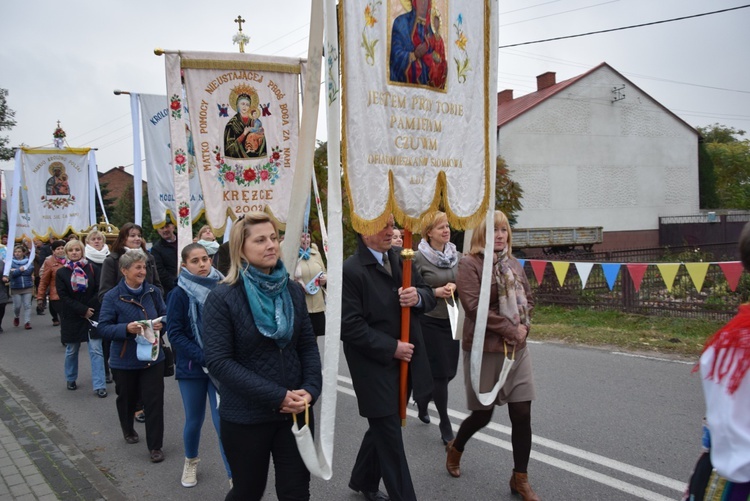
x=417, y=98
x=57, y=185
x=161, y=193
x=244, y=120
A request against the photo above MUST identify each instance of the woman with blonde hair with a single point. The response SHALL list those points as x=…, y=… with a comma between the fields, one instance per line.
x=508, y=321
x=77, y=285
x=437, y=262
x=260, y=346
x=96, y=251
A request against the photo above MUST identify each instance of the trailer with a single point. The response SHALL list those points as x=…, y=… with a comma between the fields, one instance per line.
x=558, y=240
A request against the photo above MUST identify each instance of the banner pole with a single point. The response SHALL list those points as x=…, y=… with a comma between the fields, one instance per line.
x=406, y=256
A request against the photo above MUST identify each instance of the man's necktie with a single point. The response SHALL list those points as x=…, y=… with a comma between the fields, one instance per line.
x=387, y=264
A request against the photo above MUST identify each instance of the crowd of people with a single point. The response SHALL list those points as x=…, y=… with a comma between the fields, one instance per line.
x=244, y=341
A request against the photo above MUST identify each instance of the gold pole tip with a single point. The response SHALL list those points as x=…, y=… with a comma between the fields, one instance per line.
x=158, y=51
x=403, y=423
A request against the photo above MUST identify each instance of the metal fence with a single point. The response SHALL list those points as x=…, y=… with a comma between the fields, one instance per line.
x=714, y=301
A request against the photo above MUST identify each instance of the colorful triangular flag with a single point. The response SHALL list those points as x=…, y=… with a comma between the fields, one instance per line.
x=538, y=267
x=637, y=270
x=561, y=270
x=668, y=273
x=610, y=273
x=697, y=272
x=732, y=271
x=522, y=262
x=583, y=271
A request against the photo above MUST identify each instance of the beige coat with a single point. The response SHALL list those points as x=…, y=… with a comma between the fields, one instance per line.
x=305, y=271
x=498, y=326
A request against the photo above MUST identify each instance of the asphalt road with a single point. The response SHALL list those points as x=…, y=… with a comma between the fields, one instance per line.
x=607, y=426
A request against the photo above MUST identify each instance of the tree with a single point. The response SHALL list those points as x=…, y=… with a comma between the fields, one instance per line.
x=730, y=155
x=508, y=193
x=718, y=133
x=6, y=123
x=708, y=198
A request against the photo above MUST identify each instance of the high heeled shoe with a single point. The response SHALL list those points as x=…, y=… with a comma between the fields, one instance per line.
x=519, y=484
x=453, y=460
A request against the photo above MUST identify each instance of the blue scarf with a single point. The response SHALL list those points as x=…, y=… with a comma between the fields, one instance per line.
x=270, y=302
x=17, y=263
x=197, y=289
x=79, y=281
x=304, y=253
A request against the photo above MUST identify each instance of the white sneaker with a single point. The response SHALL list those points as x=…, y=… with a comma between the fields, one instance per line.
x=190, y=472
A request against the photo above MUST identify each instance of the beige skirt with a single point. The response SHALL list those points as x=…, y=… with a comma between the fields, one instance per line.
x=519, y=387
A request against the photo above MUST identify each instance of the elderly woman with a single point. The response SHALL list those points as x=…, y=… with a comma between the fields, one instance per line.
x=508, y=320
x=437, y=262
x=311, y=274
x=124, y=307
x=77, y=286
x=96, y=251
x=185, y=326
x=260, y=346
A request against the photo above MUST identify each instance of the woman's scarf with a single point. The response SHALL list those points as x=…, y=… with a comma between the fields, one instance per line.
x=197, y=288
x=97, y=256
x=270, y=302
x=17, y=263
x=445, y=259
x=304, y=253
x=510, y=292
x=211, y=246
x=731, y=346
x=79, y=281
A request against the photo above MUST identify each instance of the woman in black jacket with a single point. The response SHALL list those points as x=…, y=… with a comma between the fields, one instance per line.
x=260, y=346
x=77, y=286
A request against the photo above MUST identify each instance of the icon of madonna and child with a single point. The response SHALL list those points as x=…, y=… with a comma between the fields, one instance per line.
x=244, y=135
x=417, y=48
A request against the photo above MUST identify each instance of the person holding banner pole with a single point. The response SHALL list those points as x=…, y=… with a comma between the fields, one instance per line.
x=505, y=353
x=372, y=299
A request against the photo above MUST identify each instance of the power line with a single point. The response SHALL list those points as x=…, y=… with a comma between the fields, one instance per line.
x=558, y=13
x=624, y=27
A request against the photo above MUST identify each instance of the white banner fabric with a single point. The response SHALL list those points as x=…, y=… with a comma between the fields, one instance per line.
x=245, y=124
x=416, y=85
x=156, y=144
x=57, y=183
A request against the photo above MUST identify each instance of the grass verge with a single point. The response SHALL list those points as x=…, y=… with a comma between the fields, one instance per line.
x=677, y=336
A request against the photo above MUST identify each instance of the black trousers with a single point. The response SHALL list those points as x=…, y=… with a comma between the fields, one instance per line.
x=248, y=448
x=148, y=384
x=55, y=305
x=382, y=455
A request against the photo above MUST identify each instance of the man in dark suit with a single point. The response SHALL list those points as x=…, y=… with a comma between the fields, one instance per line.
x=371, y=331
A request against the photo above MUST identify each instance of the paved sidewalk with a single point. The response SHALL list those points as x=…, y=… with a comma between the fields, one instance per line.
x=40, y=462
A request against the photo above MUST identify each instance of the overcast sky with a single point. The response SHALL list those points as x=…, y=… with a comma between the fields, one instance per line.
x=62, y=60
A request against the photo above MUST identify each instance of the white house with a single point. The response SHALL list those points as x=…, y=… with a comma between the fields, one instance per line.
x=595, y=150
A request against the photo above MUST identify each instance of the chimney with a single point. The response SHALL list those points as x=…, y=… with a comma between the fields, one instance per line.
x=504, y=96
x=545, y=80
x=121, y=167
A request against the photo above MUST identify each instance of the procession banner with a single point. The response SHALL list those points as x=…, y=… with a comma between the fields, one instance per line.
x=58, y=188
x=417, y=98
x=244, y=120
x=156, y=143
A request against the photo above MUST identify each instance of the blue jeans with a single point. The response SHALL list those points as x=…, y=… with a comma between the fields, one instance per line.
x=194, y=393
x=97, y=362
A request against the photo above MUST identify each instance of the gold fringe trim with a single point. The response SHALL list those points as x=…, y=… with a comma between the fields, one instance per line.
x=55, y=151
x=440, y=197
x=210, y=64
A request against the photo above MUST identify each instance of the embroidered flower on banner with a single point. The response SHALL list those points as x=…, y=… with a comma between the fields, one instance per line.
x=333, y=86
x=175, y=104
x=184, y=213
x=462, y=63
x=58, y=202
x=367, y=43
x=248, y=175
x=180, y=161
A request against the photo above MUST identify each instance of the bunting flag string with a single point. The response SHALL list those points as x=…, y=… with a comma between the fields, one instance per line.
x=698, y=271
